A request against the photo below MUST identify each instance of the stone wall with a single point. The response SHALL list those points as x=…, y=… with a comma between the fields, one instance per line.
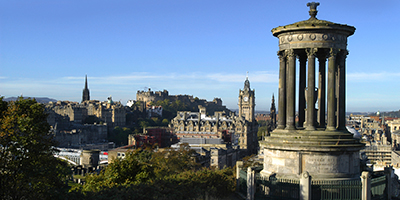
x=80, y=135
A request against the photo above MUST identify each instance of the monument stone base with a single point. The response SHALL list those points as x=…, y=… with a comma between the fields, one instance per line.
x=323, y=154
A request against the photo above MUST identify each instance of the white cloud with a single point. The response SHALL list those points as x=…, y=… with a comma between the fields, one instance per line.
x=381, y=76
x=260, y=76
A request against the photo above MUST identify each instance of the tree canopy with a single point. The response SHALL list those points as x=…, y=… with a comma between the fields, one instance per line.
x=168, y=174
x=28, y=169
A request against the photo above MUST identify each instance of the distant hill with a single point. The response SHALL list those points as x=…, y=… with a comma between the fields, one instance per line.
x=38, y=99
x=391, y=114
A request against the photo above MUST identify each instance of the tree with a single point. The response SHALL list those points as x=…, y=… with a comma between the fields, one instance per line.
x=168, y=174
x=264, y=128
x=28, y=169
x=120, y=135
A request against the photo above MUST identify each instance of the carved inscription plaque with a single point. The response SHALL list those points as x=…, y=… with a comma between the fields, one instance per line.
x=320, y=164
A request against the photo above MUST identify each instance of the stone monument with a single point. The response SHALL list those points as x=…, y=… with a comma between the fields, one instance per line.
x=319, y=142
x=90, y=158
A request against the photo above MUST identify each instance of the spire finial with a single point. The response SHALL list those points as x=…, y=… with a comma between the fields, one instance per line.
x=247, y=82
x=313, y=9
x=86, y=85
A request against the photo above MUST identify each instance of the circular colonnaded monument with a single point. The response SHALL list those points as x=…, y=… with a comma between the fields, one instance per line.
x=318, y=141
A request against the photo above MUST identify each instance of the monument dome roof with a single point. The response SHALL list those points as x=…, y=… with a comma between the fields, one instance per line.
x=313, y=24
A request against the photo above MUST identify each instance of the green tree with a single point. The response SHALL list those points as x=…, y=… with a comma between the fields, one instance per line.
x=28, y=169
x=165, y=122
x=264, y=128
x=120, y=135
x=172, y=161
x=168, y=174
x=144, y=124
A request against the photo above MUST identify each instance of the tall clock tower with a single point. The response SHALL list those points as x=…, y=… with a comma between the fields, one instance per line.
x=247, y=101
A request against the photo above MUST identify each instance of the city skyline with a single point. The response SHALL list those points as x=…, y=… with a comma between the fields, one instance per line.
x=199, y=48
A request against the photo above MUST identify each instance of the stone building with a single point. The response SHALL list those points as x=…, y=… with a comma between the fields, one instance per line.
x=119, y=153
x=394, y=125
x=78, y=135
x=215, y=155
x=379, y=154
x=66, y=111
x=110, y=112
x=151, y=96
x=221, y=157
x=241, y=129
x=75, y=124
x=160, y=136
x=189, y=100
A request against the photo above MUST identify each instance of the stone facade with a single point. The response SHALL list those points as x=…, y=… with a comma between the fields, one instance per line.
x=112, y=113
x=379, y=154
x=223, y=157
x=80, y=135
x=189, y=100
x=290, y=164
x=66, y=111
x=119, y=153
x=394, y=125
x=109, y=112
x=242, y=129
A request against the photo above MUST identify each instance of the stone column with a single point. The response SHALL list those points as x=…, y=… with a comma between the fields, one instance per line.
x=291, y=91
x=282, y=90
x=250, y=184
x=366, y=186
x=239, y=165
x=305, y=186
x=302, y=87
x=321, y=89
x=342, y=91
x=388, y=174
x=311, y=89
x=331, y=90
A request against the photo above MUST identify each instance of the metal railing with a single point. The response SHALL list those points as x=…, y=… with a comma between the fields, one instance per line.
x=277, y=188
x=344, y=189
x=242, y=182
x=378, y=188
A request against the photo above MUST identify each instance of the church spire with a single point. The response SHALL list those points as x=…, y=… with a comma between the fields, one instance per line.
x=272, y=113
x=86, y=86
x=86, y=93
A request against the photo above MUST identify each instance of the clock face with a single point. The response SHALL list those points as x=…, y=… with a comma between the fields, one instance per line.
x=245, y=98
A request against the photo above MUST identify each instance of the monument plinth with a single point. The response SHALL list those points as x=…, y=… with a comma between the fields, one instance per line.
x=318, y=142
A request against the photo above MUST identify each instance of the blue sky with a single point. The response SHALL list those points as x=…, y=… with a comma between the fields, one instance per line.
x=198, y=47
